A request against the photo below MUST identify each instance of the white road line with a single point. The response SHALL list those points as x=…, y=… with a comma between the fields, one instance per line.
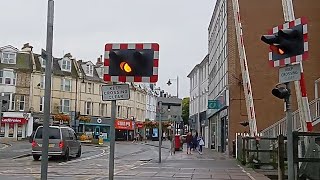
x=248, y=174
x=84, y=159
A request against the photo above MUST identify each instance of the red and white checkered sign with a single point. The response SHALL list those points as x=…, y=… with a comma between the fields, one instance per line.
x=137, y=46
x=298, y=58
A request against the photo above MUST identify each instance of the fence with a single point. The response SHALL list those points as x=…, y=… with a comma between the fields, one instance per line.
x=280, y=127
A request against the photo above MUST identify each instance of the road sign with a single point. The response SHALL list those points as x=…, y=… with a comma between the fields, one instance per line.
x=290, y=73
x=213, y=104
x=115, y=92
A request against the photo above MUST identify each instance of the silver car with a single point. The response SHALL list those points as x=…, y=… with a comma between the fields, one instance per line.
x=63, y=142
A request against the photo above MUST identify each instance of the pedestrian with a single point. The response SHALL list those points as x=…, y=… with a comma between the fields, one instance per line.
x=189, y=142
x=195, y=141
x=201, y=143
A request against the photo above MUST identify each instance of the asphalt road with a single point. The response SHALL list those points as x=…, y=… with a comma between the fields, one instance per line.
x=93, y=164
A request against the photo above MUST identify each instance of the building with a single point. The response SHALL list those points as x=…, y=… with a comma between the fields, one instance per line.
x=199, y=98
x=15, y=77
x=225, y=80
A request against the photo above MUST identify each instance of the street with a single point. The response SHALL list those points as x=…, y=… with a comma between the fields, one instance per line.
x=132, y=161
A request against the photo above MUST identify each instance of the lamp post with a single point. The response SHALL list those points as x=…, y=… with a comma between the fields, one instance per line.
x=177, y=80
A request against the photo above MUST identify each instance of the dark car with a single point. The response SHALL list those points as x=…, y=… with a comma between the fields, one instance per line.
x=63, y=142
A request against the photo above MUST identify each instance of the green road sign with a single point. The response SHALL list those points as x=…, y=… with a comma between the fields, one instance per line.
x=213, y=104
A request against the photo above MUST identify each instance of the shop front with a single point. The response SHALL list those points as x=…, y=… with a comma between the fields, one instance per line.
x=16, y=125
x=218, y=124
x=93, y=127
x=139, y=128
x=124, y=130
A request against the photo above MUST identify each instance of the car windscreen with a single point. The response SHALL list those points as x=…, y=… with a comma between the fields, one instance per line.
x=54, y=133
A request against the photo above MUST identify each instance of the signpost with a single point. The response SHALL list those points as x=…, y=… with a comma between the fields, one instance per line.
x=290, y=73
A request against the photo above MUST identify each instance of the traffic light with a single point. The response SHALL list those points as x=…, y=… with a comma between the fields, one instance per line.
x=244, y=123
x=131, y=62
x=286, y=42
x=281, y=92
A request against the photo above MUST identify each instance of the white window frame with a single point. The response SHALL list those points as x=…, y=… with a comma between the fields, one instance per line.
x=102, y=108
x=6, y=60
x=87, y=109
x=66, y=65
x=89, y=86
x=64, y=84
x=42, y=81
x=89, y=69
x=3, y=77
x=22, y=101
x=42, y=62
x=41, y=105
x=63, y=105
x=12, y=105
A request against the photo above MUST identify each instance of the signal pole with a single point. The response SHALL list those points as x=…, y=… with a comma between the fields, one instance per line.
x=47, y=93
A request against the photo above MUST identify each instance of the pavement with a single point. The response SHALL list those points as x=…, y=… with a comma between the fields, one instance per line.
x=138, y=160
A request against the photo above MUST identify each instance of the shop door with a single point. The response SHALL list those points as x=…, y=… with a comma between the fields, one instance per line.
x=223, y=135
x=97, y=132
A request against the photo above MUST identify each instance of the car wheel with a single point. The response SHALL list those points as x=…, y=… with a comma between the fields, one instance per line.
x=66, y=155
x=79, y=152
x=36, y=157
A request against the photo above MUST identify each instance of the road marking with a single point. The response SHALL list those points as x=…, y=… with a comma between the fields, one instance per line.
x=84, y=159
x=248, y=174
x=4, y=146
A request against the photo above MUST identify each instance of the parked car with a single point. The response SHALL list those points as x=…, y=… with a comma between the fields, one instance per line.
x=63, y=142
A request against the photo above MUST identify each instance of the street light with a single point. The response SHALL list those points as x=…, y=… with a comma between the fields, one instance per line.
x=177, y=80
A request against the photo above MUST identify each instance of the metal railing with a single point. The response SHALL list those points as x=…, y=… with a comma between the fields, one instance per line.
x=280, y=127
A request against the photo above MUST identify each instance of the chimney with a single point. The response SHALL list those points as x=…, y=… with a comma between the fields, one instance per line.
x=68, y=55
x=161, y=93
x=27, y=47
x=99, y=61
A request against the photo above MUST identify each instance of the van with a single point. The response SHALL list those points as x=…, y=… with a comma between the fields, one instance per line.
x=63, y=142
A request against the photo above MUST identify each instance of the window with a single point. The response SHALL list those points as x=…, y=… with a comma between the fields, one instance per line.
x=102, y=108
x=41, y=108
x=118, y=112
x=89, y=88
x=88, y=108
x=42, y=82
x=8, y=77
x=12, y=106
x=8, y=58
x=21, y=103
x=66, y=65
x=42, y=62
x=65, y=105
x=89, y=70
x=54, y=133
x=66, y=85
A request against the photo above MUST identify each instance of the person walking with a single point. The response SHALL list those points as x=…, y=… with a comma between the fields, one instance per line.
x=201, y=143
x=189, y=142
x=195, y=141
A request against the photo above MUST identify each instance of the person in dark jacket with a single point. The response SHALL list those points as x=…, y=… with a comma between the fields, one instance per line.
x=195, y=141
x=189, y=142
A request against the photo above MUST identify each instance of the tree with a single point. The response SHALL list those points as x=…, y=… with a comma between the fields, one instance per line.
x=185, y=110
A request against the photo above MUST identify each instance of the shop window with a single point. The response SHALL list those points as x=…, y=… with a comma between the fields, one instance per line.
x=11, y=130
x=2, y=129
x=88, y=108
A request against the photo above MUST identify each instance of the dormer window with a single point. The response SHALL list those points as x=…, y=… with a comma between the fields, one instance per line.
x=42, y=62
x=66, y=65
x=89, y=70
x=8, y=58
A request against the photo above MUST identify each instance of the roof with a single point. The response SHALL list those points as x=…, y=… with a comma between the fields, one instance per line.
x=95, y=76
x=205, y=59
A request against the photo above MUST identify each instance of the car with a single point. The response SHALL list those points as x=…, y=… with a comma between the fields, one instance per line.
x=63, y=142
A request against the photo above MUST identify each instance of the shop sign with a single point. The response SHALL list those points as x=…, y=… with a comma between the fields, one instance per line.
x=139, y=124
x=123, y=124
x=12, y=120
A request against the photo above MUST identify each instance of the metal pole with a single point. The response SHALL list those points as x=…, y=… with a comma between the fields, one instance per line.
x=160, y=129
x=112, y=139
x=47, y=92
x=291, y=174
x=177, y=86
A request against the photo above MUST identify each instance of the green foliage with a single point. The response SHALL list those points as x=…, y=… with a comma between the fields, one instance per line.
x=185, y=110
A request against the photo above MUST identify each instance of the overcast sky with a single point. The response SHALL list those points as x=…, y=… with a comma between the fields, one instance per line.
x=83, y=27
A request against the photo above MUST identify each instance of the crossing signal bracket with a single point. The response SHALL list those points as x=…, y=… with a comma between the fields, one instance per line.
x=288, y=43
x=131, y=62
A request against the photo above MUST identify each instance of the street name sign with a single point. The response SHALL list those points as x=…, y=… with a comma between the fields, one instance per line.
x=290, y=73
x=115, y=92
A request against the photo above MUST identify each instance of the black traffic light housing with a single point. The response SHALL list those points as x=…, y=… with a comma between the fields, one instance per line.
x=131, y=62
x=286, y=42
x=281, y=92
x=244, y=123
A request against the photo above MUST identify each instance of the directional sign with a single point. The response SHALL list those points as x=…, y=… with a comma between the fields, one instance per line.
x=213, y=104
x=115, y=92
x=290, y=73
